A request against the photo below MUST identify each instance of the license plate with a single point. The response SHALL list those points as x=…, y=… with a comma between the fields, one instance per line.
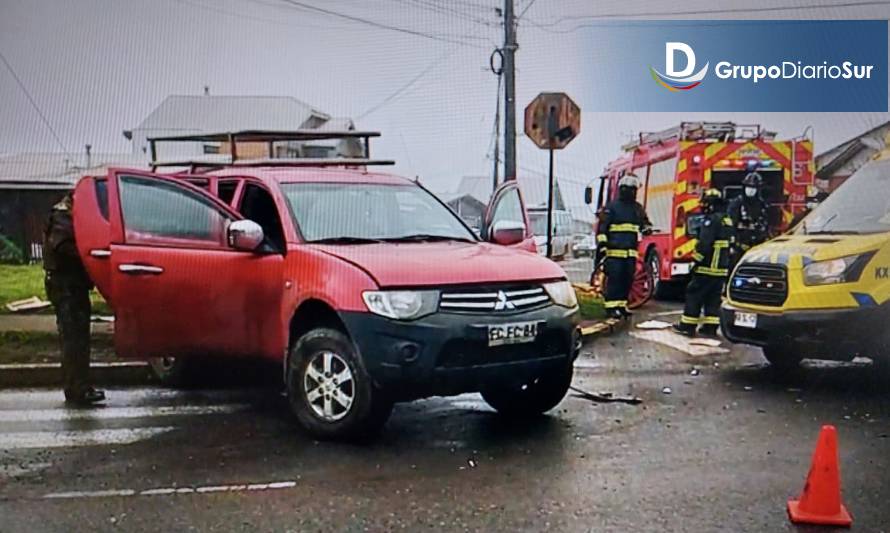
x=515, y=333
x=746, y=320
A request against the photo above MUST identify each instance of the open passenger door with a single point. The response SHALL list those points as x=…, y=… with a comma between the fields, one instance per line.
x=164, y=255
x=506, y=221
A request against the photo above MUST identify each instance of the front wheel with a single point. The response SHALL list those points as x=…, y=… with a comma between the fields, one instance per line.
x=534, y=398
x=783, y=358
x=329, y=390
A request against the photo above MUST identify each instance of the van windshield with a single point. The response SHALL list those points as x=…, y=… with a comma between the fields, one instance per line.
x=862, y=205
x=539, y=223
x=359, y=213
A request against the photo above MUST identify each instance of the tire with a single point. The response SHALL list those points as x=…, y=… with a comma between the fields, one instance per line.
x=660, y=288
x=172, y=371
x=530, y=399
x=783, y=358
x=346, y=409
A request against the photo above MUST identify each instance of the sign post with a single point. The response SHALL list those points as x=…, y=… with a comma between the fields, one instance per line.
x=552, y=120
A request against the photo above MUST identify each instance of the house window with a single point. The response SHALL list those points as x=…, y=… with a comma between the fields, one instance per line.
x=211, y=148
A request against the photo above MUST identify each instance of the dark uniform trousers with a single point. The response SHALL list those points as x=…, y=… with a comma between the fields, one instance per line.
x=71, y=300
x=705, y=289
x=620, y=277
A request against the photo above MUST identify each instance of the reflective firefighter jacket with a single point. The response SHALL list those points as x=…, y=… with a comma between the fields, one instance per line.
x=750, y=216
x=715, y=238
x=619, y=228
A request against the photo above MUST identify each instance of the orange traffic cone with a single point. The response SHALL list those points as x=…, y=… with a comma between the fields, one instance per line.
x=820, y=502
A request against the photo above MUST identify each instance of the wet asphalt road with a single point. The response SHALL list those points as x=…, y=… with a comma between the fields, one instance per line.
x=722, y=452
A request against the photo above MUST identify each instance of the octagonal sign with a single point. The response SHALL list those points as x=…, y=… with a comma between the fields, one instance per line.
x=552, y=120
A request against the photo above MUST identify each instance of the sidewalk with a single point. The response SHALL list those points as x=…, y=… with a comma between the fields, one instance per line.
x=42, y=324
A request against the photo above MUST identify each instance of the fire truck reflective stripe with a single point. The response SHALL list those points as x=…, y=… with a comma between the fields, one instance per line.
x=689, y=205
x=665, y=188
x=681, y=165
x=631, y=228
x=707, y=177
x=680, y=188
x=711, y=320
x=689, y=320
x=686, y=248
x=679, y=231
x=611, y=304
x=712, y=149
x=621, y=254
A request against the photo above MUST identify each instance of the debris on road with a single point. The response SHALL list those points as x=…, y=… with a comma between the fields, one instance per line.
x=653, y=324
x=694, y=372
x=748, y=388
x=605, y=397
x=666, y=390
x=678, y=342
x=698, y=341
x=471, y=463
x=33, y=303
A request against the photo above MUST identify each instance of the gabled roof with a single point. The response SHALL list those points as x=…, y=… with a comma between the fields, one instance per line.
x=833, y=159
x=534, y=190
x=57, y=171
x=193, y=113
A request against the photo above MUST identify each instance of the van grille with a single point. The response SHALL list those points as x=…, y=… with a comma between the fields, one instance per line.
x=489, y=299
x=760, y=284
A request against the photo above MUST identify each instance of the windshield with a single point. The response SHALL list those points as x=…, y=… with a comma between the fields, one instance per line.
x=370, y=212
x=862, y=205
x=539, y=223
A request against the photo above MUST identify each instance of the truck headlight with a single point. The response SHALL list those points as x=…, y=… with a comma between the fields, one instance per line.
x=401, y=305
x=841, y=270
x=562, y=293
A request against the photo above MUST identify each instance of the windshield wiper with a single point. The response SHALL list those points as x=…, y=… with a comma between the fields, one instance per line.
x=346, y=240
x=425, y=237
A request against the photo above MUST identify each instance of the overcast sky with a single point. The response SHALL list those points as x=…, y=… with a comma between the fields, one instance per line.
x=97, y=67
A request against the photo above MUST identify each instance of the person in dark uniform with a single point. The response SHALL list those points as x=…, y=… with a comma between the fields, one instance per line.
x=750, y=215
x=711, y=268
x=618, y=235
x=68, y=288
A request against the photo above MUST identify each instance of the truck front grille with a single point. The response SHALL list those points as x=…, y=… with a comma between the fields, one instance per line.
x=760, y=284
x=493, y=299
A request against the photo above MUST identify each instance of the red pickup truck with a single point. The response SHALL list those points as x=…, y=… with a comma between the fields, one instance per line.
x=365, y=286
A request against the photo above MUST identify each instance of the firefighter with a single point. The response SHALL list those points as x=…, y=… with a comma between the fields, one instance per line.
x=750, y=216
x=68, y=288
x=715, y=238
x=618, y=233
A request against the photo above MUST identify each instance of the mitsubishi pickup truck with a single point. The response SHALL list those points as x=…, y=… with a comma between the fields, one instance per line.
x=364, y=286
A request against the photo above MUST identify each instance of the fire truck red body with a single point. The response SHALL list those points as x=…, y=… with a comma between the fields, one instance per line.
x=675, y=165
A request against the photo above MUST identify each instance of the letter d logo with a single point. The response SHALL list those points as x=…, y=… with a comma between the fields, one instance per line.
x=678, y=80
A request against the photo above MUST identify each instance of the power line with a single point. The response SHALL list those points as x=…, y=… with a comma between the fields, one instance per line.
x=408, y=85
x=722, y=11
x=525, y=9
x=310, y=7
x=448, y=11
x=34, y=105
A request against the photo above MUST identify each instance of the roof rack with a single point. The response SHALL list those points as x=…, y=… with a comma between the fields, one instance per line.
x=207, y=164
x=270, y=137
x=702, y=132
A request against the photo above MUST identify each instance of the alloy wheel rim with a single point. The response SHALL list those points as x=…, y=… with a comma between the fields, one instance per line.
x=329, y=386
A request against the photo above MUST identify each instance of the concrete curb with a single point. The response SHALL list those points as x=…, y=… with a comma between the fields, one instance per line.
x=50, y=374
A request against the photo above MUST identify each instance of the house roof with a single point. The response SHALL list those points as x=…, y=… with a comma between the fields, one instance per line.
x=194, y=113
x=534, y=190
x=831, y=160
x=58, y=171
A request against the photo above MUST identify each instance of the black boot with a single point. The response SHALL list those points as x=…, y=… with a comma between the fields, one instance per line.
x=683, y=329
x=614, y=313
x=709, y=331
x=85, y=398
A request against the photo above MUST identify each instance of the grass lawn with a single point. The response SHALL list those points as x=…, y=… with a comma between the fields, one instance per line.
x=18, y=282
x=40, y=347
x=591, y=306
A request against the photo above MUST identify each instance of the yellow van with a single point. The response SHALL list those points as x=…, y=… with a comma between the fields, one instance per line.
x=822, y=291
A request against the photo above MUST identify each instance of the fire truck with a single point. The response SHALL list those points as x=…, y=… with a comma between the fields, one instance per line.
x=677, y=164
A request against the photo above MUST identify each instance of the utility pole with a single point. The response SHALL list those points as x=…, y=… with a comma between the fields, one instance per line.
x=510, y=47
x=497, y=139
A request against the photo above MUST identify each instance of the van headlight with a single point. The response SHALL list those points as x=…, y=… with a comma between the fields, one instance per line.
x=562, y=293
x=401, y=305
x=841, y=270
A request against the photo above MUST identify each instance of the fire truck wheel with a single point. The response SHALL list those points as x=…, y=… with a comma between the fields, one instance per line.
x=653, y=261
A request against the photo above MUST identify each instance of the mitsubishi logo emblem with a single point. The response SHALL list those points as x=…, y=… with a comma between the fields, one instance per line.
x=503, y=303
x=755, y=281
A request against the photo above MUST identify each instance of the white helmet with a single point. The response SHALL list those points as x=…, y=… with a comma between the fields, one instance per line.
x=629, y=180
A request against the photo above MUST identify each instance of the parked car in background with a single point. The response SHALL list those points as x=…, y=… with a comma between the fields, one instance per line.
x=364, y=286
x=585, y=247
x=562, y=231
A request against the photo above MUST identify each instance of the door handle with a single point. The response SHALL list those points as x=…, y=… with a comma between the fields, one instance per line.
x=100, y=253
x=138, y=270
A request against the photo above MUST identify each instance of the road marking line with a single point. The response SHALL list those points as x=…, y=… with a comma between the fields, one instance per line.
x=64, y=439
x=106, y=413
x=168, y=491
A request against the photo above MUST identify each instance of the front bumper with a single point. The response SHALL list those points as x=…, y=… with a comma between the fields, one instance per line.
x=448, y=353
x=828, y=332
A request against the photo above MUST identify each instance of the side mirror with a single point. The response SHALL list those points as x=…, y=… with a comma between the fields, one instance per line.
x=245, y=235
x=507, y=232
x=693, y=225
x=588, y=195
